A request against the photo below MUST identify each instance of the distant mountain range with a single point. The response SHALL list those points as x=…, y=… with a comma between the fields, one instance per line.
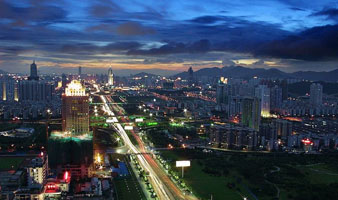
x=246, y=73
x=2, y=72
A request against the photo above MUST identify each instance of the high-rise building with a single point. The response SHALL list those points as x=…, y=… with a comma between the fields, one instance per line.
x=110, y=77
x=251, y=110
x=316, y=94
x=221, y=91
x=190, y=76
x=7, y=88
x=263, y=93
x=285, y=90
x=37, y=171
x=276, y=98
x=34, y=72
x=33, y=90
x=80, y=71
x=75, y=109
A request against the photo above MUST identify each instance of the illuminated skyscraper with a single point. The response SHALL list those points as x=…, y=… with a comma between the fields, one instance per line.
x=110, y=77
x=263, y=93
x=75, y=109
x=222, y=91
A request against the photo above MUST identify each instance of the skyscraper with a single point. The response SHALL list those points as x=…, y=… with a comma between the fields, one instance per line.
x=80, y=71
x=285, y=90
x=276, y=98
x=251, y=112
x=316, y=94
x=110, y=77
x=190, y=76
x=75, y=109
x=221, y=91
x=263, y=93
x=34, y=72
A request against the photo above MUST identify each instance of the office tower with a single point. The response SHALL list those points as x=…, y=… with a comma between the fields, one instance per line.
x=34, y=72
x=80, y=71
x=276, y=98
x=110, y=77
x=75, y=109
x=285, y=90
x=316, y=94
x=251, y=109
x=263, y=93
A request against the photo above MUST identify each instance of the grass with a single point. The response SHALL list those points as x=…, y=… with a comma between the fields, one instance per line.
x=204, y=185
x=8, y=163
x=320, y=174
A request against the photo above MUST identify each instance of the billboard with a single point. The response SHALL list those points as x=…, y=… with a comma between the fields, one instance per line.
x=139, y=120
x=128, y=128
x=183, y=163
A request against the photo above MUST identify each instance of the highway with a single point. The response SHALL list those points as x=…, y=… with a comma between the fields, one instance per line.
x=161, y=190
x=165, y=188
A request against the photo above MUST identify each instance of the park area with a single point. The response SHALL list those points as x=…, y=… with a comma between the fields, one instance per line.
x=264, y=176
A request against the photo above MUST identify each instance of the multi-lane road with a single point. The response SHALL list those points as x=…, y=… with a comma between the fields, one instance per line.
x=165, y=188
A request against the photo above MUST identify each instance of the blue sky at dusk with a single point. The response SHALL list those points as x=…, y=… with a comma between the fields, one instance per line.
x=168, y=35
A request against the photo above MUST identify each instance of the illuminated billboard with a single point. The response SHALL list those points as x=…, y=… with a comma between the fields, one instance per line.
x=183, y=163
x=128, y=128
x=139, y=120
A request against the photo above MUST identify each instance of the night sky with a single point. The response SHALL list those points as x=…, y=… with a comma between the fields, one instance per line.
x=290, y=35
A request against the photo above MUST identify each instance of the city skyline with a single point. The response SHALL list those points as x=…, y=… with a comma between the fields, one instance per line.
x=290, y=36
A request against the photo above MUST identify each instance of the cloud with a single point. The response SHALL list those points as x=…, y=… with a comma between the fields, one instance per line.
x=86, y=48
x=318, y=43
x=206, y=19
x=35, y=13
x=133, y=29
x=201, y=46
x=331, y=13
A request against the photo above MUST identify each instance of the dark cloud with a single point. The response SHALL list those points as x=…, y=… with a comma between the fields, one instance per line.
x=297, y=9
x=206, y=19
x=134, y=28
x=329, y=13
x=201, y=46
x=104, y=10
x=314, y=44
x=37, y=13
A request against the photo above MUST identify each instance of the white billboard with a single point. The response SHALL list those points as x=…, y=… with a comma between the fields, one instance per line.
x=128, y=128
x=139, y=120
x=183, y=163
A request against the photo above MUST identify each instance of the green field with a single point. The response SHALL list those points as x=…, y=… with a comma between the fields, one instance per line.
x=234, y=175
x=8, y=163
x=204, y=185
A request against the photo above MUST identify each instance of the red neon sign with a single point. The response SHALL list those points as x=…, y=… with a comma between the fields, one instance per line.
x=66, y=176
x=307, y=141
